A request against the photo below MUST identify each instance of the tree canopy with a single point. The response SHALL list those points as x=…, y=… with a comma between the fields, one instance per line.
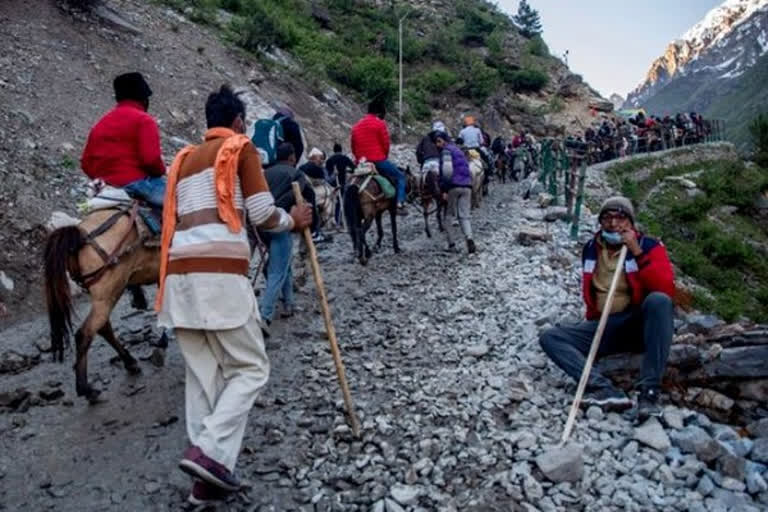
x=527, y=19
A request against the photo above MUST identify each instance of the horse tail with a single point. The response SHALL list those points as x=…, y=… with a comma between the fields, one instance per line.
x=352, y=208
x=60, y=255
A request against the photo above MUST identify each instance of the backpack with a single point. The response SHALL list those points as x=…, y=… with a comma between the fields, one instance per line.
x=267, y=135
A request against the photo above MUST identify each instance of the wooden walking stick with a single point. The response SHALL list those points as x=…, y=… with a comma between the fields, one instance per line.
x=329, y=328
x=595, y=344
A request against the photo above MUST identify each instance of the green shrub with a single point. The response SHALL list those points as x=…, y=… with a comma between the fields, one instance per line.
x=437, y=81
x=478, y=24
x=418, y=104
x=758, y=128
x=481, y=82
x=372, y=76
x=525, y=80
x=264, y=26
x=537, y=47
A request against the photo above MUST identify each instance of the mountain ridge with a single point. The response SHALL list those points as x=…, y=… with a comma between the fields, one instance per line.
x=724, y=44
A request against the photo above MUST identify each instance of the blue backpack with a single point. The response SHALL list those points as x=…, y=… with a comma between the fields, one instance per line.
x=267, y=135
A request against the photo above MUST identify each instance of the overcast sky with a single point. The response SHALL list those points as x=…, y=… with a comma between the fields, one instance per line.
x=612, y=43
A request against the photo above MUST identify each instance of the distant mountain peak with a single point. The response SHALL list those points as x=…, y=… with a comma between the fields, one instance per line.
x=726, y=42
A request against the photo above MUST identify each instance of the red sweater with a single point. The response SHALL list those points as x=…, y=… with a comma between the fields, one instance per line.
x=370, y=139
x=124, y=146
x=650, y=272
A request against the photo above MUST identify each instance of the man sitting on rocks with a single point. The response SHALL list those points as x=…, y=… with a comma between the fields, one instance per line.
x=641, y=314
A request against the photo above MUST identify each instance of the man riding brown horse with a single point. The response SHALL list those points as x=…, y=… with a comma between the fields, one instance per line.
x=123, y=150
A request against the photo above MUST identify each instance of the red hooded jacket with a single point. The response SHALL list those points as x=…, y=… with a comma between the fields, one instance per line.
x=650, y=272
x=124, y=146
x=370, y=139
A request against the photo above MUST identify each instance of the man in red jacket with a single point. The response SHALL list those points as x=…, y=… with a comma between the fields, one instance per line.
x=370, y=140
x=123, y=148
x=641, y=316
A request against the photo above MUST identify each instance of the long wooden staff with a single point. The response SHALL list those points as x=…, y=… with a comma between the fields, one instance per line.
x=595, y=344
x=329, y=328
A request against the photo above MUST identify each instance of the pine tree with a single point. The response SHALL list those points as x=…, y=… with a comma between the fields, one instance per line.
x=527, y=19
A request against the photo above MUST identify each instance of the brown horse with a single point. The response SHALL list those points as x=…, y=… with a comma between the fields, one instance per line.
x=422, y=193
x=364, y=202
x=105, y=253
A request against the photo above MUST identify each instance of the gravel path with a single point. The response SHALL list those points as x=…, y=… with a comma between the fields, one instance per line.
x=454, y=395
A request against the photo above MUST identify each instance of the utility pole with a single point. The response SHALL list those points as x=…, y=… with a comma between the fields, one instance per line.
x=400, y=65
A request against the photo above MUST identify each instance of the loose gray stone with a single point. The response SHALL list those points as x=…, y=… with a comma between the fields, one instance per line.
x=724, y=433
x=760, y=451
x=595, y=413
x=758, y=428
x=673, y=418
x=706, y=486
x=732, y=466
x=630, y=451
x=709, y=450
x=741, y=448
x=756, y=483
x=732, y=484
x=478, y=350
x=392, y=506
x=652, y=434
x=405, y=494
x=687, y=438
x=564, y=464
x=533, y=490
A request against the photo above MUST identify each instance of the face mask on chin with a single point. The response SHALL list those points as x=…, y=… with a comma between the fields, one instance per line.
x=611, y=237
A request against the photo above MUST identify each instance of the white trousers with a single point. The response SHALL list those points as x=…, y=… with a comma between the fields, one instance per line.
x=225, y=371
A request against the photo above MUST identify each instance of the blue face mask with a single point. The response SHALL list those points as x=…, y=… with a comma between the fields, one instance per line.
x=611, y=237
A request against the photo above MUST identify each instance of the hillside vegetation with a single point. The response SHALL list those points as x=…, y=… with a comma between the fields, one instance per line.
x=468, y=49
x=714, y=231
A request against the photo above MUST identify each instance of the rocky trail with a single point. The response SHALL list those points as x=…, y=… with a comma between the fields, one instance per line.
x=457, y=402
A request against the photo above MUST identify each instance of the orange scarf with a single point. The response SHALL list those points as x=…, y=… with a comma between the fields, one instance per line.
x=225, y=173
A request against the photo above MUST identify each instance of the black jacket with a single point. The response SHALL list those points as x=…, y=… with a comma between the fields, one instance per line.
x=426, y=149
x=280, y=178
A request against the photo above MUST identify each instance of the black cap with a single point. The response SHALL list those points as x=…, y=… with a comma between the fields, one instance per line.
x=131, y=86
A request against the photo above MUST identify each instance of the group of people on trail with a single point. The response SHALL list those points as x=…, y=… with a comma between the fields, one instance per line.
x=614, y=137
x=218, y=191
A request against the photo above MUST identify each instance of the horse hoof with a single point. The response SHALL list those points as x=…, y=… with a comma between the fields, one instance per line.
x=92, y=395
x=133, y=368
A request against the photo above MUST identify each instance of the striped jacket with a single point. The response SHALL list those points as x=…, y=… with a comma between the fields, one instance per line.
x=206, y=283
x=650, y=272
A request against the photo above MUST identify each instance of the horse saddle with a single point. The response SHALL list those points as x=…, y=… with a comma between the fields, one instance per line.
x=148, y=219
x=365, y=172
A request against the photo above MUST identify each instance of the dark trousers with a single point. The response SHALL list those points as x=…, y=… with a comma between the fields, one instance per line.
x=645, y=330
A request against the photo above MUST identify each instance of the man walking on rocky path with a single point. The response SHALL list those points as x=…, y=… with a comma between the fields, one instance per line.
x=204, y=291
x=456, y=184
x=279, y=285
x=641, y=316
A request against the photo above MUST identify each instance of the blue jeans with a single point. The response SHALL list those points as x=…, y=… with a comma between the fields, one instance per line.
x=151, y=190
x=390, y=170
x=646, y=330
x=279, y=274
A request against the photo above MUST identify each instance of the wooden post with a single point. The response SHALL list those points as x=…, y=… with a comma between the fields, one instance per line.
x=595, y=344
x=329, y=328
